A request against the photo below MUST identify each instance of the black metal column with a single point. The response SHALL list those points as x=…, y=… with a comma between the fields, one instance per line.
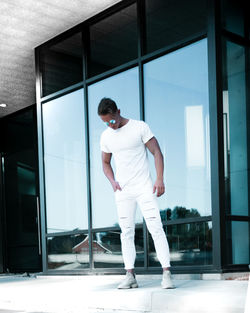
x=85, y=41
x=41, y=199
x=216, y=133
x=247, y=71
x=141, y=50
x=2, y=226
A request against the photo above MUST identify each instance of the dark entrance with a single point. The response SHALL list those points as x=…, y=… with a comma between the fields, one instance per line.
x=20, y=216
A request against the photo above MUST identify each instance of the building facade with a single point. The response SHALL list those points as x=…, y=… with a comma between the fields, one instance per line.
x=181, y=66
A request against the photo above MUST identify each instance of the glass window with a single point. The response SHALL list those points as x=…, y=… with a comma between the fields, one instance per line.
x=238, y=238
x=107, y=249
x=113, y=41
x=124, y=90
x=236, y=127
x=233, y=13
x=65, y=163
x=176, y=109
x=189, y=244
x=61, y=65
x=68, y=252
x=169, y=21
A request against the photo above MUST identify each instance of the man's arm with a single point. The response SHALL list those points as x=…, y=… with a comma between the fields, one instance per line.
x=108, y=171
x=154, y=148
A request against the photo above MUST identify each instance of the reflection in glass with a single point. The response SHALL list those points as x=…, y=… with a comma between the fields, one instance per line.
x=236, y=123
x=107, y=249
x=65, y=163
x=239, y=242
x=68, y=252
x=195, y=136
x=233, y=16
x=168, y=22
x=26, y=177
x=189, y=244
x=178, y=212
x=61, y=65
x=123, y=89
x=176, y=109
x=113, y=41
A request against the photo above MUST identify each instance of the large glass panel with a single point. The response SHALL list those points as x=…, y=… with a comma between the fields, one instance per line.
x=124, y=90
x=176, y=109
x=236, y=123
x=113, y=41
x=240, y=243
x=189, y=244
x=107, y=249
x=169, y=21
x=238, y=239
x=61, y=64
x=233, y=13
x=65, y=163
x=68, y=252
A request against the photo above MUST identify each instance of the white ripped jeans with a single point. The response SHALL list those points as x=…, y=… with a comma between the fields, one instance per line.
x=126, y=202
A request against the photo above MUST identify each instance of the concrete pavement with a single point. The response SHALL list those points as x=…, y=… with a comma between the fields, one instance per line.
x=92, y=294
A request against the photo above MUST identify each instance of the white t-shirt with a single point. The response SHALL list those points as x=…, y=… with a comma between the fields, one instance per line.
x=127, y=145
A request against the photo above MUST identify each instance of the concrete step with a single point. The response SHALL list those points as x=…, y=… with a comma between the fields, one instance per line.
x=95, y=294
x=189, y=297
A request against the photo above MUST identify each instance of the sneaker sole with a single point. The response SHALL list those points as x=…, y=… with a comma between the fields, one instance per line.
x=172, y=287
x=129, y=287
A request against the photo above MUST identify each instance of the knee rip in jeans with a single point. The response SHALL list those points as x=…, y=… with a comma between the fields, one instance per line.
x=126, y=228
x=127, y=232
x=150, y=218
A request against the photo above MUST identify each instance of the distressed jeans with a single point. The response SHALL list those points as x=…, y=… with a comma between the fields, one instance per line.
x=126, y=202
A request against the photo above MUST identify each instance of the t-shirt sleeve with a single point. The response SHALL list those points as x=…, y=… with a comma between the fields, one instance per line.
x=103, y=145
x=146, y=132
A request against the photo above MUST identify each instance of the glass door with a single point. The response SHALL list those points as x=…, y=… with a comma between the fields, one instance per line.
x=22, y=249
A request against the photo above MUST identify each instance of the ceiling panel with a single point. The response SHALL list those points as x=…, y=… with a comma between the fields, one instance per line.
x=24, y=25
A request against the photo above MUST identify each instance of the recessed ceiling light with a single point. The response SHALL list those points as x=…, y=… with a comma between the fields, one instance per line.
x=3, y=105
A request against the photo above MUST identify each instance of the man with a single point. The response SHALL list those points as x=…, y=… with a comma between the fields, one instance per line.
x=127, y=140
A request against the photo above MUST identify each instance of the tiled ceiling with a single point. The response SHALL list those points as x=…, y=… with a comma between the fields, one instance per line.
x=24, y=25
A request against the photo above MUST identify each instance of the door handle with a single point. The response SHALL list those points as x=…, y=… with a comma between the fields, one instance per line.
x=38, y=225
x=226, y=145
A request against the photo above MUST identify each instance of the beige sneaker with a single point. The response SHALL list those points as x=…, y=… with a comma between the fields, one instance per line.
x=166, y=282
x=128, y=282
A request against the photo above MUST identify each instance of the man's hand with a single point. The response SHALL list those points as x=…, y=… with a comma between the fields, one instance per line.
x=159, y=186
x=108, y=171
x=115, y=186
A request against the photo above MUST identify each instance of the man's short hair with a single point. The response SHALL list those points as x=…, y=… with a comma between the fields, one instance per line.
x=107, y=106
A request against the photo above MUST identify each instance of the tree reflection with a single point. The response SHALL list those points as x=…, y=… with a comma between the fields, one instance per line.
x=177, y=213
x=189, y=243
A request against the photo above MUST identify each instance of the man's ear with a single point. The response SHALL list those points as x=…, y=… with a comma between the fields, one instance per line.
x=119, y=111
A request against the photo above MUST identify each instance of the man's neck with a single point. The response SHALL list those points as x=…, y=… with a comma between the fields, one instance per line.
x=124, y=121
